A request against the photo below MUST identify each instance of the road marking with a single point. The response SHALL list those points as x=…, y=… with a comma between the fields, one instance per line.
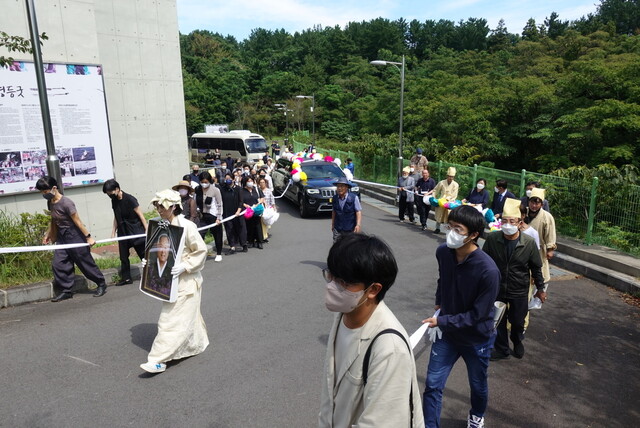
x=82, y=361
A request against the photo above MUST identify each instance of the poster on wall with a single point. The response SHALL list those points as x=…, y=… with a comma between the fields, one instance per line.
x=78, y=119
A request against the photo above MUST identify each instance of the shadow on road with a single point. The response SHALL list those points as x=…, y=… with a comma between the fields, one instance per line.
x=142, y=335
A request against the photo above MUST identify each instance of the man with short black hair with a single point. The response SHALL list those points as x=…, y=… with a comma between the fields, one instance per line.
x=369, y=375
x=467, y=289
x=499, y=196
x=524, y=201
x=128, y=219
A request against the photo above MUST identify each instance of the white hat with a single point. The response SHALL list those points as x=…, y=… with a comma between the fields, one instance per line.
x=451, y=171
x=167, y=198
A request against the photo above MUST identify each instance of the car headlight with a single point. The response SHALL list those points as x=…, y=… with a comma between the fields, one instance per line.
x=355, y=189
x=313, y=191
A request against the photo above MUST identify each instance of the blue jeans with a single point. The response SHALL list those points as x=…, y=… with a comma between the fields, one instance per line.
x=444, y=355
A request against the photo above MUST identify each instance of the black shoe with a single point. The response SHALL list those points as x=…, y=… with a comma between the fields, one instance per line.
x=253, y=245
x=259, y=245
x=231, y=252
x=266, y=241
x=123, y=282
x=245, y=249
x=496, y=356
x=100, y=291
x=62, y=296
x=424, y=227
x=518, y=350
x=436, y=231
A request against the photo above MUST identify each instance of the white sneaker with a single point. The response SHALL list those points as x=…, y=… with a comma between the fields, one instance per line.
x=474, y=421
x=153, y=367
x=218, y=258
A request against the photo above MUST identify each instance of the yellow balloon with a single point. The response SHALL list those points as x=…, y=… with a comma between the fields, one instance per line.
x=442, y=201
x=295, y=166
x=303, y=175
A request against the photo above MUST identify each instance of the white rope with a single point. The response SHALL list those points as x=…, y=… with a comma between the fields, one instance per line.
x=10, y=250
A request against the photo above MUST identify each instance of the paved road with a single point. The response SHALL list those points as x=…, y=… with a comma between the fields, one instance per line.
x=75, y=363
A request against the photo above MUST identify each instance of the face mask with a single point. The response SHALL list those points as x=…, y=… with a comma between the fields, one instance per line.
x=495, y=189
x=249, y=185
x=480, y=186
x=339, y=299
x=195, y=172
x=509, y=229
x=113, y=196
x=404, y=176
x=411, y=169
x=49, y=196
x=246, y=172
x=228, y=181
x=183, y=192
x=529, y=192
x=205, y=185
x=455, y=240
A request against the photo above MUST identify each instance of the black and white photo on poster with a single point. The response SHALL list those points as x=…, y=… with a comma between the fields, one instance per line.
x=164, y=246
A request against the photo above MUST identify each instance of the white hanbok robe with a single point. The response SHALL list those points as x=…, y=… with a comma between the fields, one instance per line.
x=181, y=328
x=450, y=193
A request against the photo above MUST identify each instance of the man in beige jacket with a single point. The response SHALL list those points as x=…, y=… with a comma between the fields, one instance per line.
x=380, y=390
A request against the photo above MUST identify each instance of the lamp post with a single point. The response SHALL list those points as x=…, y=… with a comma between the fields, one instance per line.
x=313, y=111
x=401, y=68
x=284, y=108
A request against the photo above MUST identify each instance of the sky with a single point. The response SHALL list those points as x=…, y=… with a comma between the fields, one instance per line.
x=239, y=17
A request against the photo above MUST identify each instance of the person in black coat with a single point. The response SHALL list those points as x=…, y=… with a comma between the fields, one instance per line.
x=499, y=197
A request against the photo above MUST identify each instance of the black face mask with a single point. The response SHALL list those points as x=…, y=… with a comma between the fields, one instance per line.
x=113, y=196
x=194, y=172
x=48, y=196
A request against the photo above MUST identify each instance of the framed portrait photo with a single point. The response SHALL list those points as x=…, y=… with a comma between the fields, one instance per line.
x=164, y=246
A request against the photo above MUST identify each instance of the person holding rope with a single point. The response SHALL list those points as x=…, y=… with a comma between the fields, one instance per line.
x=209, y=202
x=181, y=329
x=128, y=219
x=67, y=228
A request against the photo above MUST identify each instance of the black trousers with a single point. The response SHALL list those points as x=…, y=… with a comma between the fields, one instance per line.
x=423, y=210
x=64, y=261
x=123, y=249
x=517, y=310
x=404, y=206
x=216, y=231
x=254, y=229
x=236, y=232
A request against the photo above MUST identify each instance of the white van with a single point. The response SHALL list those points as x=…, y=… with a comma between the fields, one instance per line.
x=243, y=144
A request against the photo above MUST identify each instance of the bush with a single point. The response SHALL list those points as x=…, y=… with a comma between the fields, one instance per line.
x=19, y=231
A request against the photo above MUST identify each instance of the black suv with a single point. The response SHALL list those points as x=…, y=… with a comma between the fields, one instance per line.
x=314, y=194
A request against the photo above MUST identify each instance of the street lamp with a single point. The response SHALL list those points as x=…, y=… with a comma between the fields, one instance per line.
x=284, y=108
x=313, y=111
x=396, y=64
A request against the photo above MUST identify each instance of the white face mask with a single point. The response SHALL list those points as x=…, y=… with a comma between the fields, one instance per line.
x=183, y=192
x=495, y=189
x=205, y=185
x=529, y=192
x=411, y=169
x=249, y=185
x=480, y=186
x=455, y=240
x=339, y=299
x=509, y=229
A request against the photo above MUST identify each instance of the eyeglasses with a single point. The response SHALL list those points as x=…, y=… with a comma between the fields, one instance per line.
x=456, y=229
x=328, y=276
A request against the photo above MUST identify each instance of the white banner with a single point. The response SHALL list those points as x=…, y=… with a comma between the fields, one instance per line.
x=78, y=118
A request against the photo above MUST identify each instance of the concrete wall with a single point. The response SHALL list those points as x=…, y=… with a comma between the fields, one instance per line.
x=137, y=43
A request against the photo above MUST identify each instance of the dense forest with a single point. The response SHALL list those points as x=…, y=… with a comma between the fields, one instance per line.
x=555, y=95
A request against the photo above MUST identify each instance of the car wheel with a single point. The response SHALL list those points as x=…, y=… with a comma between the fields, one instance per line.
x=304, y=211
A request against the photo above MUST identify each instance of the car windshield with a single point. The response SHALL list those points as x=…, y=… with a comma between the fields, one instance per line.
x=256, y=145
x=322, y=170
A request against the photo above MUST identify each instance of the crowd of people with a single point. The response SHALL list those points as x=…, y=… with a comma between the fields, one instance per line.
x=508, y=271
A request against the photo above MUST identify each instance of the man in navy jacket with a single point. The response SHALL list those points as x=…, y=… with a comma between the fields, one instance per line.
x=467, y=289
x=347, y=211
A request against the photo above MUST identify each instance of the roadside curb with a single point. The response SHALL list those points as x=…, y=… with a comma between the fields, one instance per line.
x=43, y=291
